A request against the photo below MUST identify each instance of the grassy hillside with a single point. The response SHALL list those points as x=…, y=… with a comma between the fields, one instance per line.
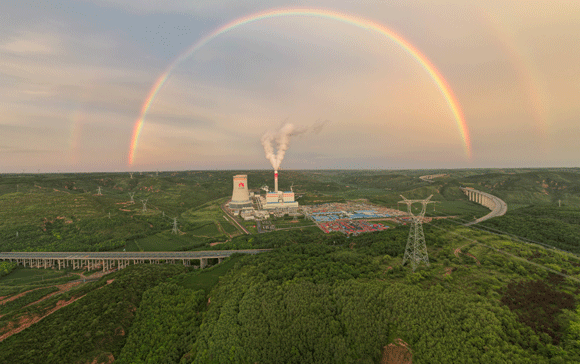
x=65, y=213
x=552, y=225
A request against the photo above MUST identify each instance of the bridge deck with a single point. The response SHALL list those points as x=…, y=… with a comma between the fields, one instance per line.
x=499, y=208
x=108, y=260
x=128, y=255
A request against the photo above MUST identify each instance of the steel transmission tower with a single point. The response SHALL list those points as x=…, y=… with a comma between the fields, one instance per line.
x=132, y=194
x=174, y=230
x=144, y=202
x=416, y=250
x=99, y=192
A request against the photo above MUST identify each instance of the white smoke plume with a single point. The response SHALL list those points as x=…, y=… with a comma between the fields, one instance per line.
x=282, y=138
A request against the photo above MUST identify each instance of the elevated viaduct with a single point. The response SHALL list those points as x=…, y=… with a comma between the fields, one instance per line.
x=431, y=177
x=109, y=260
x=497, y=206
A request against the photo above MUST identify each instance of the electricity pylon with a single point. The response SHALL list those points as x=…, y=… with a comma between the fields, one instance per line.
x=144, y=202
x=132, y=194
x=174, y=230
x=416, y=250
x=99, y=191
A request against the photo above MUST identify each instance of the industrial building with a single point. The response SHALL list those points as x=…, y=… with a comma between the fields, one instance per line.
x=240, y=195
x=277, y=203
x=279, y=199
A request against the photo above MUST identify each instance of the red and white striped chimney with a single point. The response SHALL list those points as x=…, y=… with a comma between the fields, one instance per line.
x=275, y=180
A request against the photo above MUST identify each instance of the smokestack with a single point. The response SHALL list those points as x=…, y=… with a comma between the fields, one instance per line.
x=276, y=181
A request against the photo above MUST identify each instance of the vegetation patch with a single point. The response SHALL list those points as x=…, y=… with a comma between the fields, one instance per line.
x=83, y=330
x=558, y=227
x=25, y=299
x=6, y=268
x=538, y=304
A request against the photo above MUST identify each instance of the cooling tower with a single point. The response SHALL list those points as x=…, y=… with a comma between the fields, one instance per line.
x=240, y=195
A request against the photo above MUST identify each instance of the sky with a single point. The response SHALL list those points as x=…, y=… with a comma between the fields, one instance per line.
x=78, y=77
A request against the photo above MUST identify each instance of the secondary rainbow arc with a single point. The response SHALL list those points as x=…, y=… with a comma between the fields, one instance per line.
x=433, y=72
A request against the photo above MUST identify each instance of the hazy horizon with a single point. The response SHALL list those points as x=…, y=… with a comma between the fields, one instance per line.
x=76, y=77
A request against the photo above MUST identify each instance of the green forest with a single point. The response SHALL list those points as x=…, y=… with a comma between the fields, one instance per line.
x=495, y=292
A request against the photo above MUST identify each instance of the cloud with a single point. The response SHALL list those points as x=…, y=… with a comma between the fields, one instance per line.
x=207, y=8
x=36, y=44
x=14, y=150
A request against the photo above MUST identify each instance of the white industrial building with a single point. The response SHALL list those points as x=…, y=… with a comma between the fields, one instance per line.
x=240, y=195
x=279, y=199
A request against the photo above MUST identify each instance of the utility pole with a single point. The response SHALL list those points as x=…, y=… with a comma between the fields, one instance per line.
x=174, y=225
x=99, y=192
x=144, y=202
x=416, y=249
x=131, y=194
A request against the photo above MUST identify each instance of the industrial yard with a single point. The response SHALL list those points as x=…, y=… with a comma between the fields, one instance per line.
x=351, y=227
x=268, y=212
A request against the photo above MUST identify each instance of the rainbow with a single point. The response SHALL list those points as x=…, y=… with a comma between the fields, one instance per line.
x=525, y=70
x=320, y=13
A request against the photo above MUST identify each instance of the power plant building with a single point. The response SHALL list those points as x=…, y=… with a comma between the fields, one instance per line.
x=240, y=194
x=241, y=197
x=278, y=199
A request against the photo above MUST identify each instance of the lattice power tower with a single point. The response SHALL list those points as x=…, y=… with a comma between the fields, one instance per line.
x=416, y=250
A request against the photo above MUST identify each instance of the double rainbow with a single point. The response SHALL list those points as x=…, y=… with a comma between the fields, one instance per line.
x=320, y=13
